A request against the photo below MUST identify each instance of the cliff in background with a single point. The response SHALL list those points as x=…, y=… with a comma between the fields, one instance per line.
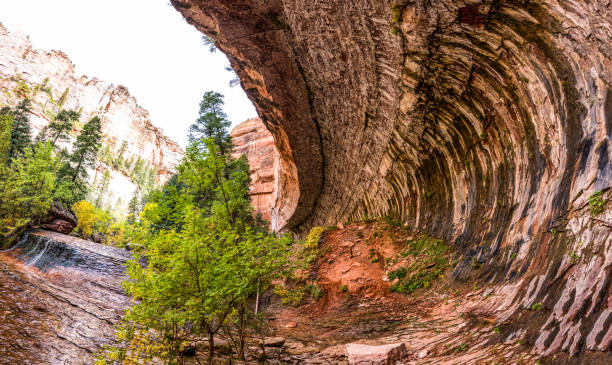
x=484, y=123
x=271, y=181
x=48, y=78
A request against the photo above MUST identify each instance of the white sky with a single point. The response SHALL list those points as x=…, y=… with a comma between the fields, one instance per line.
x=144, y=45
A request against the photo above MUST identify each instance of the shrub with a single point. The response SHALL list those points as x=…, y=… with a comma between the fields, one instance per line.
x=596, y=203
x=86, y=217
x=399, y=273
x=290, y=296
x=315, y=291
x=313, y=238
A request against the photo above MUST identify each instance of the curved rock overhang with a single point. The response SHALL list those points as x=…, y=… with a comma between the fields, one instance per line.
x=486, y=123
x=256, y=41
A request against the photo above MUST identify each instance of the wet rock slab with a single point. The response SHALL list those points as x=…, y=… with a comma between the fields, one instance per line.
x=60, y=299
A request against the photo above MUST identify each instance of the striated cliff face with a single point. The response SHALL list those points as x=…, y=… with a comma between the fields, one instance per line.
x=48, y=78
x=272, y=190
x=485, y=123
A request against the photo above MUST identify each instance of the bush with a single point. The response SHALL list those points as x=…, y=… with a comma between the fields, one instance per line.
x=313, y=238
x=315, y=291
x=596, y=203
x=290, y=296
x=86, y=217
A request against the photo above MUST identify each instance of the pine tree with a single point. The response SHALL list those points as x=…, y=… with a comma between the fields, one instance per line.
x=73, y=174
x=212, y=123
x=61, y=125
x=20, y=133
x=133, y=208
x=118, y=162
x=103, y=187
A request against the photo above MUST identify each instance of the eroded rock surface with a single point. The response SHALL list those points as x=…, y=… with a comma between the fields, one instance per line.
x=272, y=188
x=484, y=123
x=60, y=298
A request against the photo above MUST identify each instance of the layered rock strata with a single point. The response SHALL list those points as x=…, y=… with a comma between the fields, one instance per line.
x=271, y=183
x=61, y=299
x=49, y=80
x=486, y=123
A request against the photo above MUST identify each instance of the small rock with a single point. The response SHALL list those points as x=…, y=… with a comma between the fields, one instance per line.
x=291, y=325
x=422, y=353
x=487, y=292
x=340, y=225
x=359, y=354
x=274, y=341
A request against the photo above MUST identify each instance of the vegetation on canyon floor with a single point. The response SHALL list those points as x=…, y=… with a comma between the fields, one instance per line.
x=207, y=254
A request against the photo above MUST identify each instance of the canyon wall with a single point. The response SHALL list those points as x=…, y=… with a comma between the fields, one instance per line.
x=272, y=183
x=485, y=123
x=49, y=80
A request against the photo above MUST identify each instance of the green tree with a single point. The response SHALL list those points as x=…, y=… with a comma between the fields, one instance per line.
x=118, y=162
x=102, y=189
x=26, y=189
x=6, y=125
x=62, y=124
x=21, y=138
x=205, y=272
x=134, y=207
x=212, y=123
x=72, y=176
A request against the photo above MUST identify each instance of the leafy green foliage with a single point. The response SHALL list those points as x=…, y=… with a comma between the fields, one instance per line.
x=430, y=262
x=6, y=124
x=596, y=203
x=204, y=258
x=398, y=274
x=291, y=296
x=307, y=252
x=210, y=43
x=536, y=306
x=26, y=189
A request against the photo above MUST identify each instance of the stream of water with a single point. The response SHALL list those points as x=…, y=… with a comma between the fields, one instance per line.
x=60, y=298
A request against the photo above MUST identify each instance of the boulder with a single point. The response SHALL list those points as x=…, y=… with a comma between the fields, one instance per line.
x=59, y=225
x=274, y=341
x=59, y=219
x=58, y=211
x=359, y=354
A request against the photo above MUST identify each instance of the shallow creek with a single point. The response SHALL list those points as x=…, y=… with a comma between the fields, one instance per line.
x=60, y=298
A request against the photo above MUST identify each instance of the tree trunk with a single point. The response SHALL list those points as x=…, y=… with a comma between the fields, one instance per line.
x=241, y=335
x=257, y=298
x=211, y=347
